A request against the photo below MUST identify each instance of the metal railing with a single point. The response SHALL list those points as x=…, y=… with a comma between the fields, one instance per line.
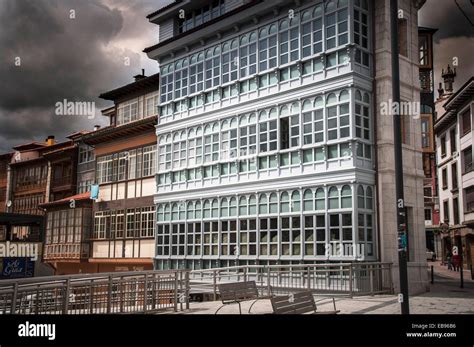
x=102, y=293
x=349, y=279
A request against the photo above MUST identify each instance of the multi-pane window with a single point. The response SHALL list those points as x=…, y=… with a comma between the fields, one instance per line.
x=248, y=237
x=212, y=65
x=289, y=40
x=361, y=32
x=248, y=54
x=151, y=103
x=211, y=143
x=149, y=160
x=192, y=19
x=229, y=139
x=181, y=78
x=267, y=46
x=137, y=163
x=230, y=61
x=338, y=121
x=268, y=236
x=166, y=85
x=248, y=135
x=268, y=132
x=196, y=73
x=229, y=237
x=362, y=115
x=127, y=112
x=86, y=154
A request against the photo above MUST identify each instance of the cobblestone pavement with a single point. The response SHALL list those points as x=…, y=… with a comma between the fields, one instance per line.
x=445, y=297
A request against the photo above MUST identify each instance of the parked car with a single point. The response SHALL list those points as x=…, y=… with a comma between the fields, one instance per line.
x=430, y=255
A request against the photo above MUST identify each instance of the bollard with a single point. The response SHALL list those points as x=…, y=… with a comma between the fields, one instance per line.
x=432, y=274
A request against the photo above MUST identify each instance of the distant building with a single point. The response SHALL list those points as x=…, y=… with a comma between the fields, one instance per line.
x=37, y=173
x=427, y=114
x=454, y=141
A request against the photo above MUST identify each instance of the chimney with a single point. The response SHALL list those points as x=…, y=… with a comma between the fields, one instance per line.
x=96, y=127
x=448, y=77
x=139, y=77
x=50, y=140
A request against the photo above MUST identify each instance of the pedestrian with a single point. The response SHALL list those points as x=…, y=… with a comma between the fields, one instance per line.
x=456, y=260
x=449, y=261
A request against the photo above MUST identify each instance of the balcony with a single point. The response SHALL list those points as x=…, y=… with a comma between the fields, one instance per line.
x=66, y=251
x=29, y=184
x=62, y=183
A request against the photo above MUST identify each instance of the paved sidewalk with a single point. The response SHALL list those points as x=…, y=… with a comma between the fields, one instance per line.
x=444, y=297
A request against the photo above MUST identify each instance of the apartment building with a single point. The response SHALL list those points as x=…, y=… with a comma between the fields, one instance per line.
x=122, y=237
x=454, y=140
x=272, y=148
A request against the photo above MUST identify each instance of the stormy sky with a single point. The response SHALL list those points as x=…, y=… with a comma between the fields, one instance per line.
x=51, y=50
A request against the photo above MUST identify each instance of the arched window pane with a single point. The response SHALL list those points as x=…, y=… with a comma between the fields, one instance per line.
x=333, y=198
x=252, y=205
x=295, y=202
x=243, y=206
x=263, y=204
x=320, y=199
x=285, y=202
x=346, y=197
x=273, y=203
x=308, y=200
x=360, y=197
x=370, y=200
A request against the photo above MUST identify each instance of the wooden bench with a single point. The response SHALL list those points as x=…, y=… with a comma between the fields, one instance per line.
x=298, y=303
x=235, y=293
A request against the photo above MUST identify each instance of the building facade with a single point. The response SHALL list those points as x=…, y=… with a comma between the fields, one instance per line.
x=122, y=238
x=427, y=115
x=454, y=138
x=271, y=141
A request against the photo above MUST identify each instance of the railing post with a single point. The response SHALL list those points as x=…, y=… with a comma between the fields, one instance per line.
x=187, y=289
x=66, y=296
x=351, y=274
x=176, y=284
x=145, y=293
x=109, y=296
x=214, y=284
x=308, y=278
x=371, y=277
x=181, y=291
x=91, y=297
x=269, y=287
x=14, y=299
x=121, y=295
x=245, y=274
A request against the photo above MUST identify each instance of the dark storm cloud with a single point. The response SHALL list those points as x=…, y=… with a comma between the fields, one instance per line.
x=448, y=18
x=454, y=40
x=57, y=53
x=65, y=58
